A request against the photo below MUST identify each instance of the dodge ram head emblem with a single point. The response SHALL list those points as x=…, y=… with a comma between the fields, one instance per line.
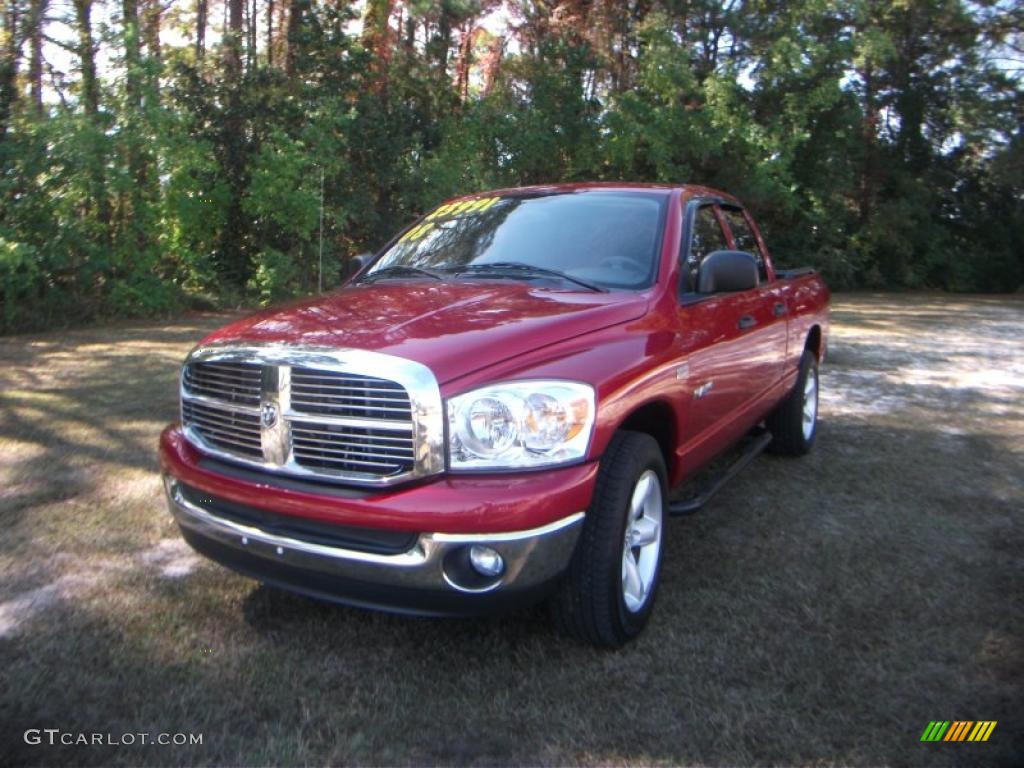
x=268, y=415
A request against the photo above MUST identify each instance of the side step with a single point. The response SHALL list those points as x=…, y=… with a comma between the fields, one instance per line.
x=688, y=506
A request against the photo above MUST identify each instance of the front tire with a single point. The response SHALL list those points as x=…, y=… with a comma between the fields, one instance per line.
x=607, y=595
x=794, y=424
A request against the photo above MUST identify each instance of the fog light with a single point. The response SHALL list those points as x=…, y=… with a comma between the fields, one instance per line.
x=486, y=561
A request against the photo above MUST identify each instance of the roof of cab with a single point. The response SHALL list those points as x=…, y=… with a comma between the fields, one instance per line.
x=687, y=190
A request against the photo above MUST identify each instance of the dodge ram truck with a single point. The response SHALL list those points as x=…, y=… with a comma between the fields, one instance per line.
x=501, y=406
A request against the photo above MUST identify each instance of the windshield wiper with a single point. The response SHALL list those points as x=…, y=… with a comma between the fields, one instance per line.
x=529, y=269
x=401, y=269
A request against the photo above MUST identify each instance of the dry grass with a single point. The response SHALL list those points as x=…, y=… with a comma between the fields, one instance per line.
x=820, y=611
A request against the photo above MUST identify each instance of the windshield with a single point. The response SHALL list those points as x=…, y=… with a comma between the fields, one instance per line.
x=604, y=238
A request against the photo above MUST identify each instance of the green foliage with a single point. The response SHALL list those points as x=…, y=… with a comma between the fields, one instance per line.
x=283, y=191
x=879, y=141
x=276, y=277
x=18, y=277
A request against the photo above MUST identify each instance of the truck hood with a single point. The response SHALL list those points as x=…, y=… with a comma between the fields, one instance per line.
x=453, y=328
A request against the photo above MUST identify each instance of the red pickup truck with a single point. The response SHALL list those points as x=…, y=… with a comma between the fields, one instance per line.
x=496, y=408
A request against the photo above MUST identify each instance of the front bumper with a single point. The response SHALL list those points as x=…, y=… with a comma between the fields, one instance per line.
x=426, y=573
x=432, y=577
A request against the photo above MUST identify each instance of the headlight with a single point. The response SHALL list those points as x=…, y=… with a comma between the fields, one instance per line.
x=520, y=424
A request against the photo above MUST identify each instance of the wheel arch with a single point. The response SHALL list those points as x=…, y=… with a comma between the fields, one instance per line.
x=813, y=342
x=656, y=418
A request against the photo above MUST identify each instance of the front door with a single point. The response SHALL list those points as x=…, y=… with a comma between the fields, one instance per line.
x=717, y=337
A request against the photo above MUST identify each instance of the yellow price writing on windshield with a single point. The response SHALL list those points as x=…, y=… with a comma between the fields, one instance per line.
x=416, y=232
x=447, y=212
x=450, y=210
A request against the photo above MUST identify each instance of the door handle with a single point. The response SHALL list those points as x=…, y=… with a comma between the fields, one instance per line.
x=747, y=321
x=779, y=309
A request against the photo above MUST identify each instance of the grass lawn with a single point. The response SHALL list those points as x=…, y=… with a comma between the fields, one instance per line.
x=819, y=611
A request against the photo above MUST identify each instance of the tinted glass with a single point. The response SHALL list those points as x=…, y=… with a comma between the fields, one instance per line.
x=606, y=238
x=707, y=237
x=745, y=240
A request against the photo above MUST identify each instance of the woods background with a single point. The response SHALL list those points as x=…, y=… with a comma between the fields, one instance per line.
x=160, y=154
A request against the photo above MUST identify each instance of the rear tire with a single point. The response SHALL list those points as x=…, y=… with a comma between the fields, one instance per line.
x=794, y=424
x=607, y=595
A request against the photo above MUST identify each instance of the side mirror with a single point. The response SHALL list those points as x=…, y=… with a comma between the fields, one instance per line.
x=356, y=265
x=727, y=271
x=360, y=261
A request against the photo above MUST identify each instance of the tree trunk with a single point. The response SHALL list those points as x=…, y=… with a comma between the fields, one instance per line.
x=270, y=33
x=281, y=47
x=233, y=40
x=443, y=42
x=250, y=35
x=376, y=40
x=254, y=32
x=233, y=256
x=132, y=52
x=90, y=90
x=291, y=41
x=152, y=18
x=869, y=139
x=910, y=99
x=201, y=13
x=151, y=21
x=410, y=34
x=465, y=59
x=35, y=61
x=134, y=86
x=87, y=58
x=492, y=63
x=10, y=50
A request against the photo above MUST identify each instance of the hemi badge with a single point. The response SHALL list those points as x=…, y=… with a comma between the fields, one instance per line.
x=682, y=371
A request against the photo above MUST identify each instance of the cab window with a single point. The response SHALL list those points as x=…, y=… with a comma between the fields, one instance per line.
x=706, y=237
x=744, y=238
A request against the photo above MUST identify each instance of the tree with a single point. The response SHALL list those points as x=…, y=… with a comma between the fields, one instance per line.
x=232, y=42
x=201, y=13
x=10, y=55
x=34, y=32
x=90, y=89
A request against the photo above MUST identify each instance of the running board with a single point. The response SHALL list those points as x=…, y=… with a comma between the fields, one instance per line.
x=693, y=504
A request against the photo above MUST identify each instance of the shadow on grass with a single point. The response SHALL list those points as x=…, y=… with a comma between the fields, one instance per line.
x=75, y=406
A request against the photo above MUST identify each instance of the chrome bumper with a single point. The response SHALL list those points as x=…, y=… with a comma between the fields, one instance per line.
x=532, y=557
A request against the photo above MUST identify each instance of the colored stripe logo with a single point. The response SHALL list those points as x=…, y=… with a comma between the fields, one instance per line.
x=958, y=730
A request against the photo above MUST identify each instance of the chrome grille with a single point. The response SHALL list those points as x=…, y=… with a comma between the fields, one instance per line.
x=230, y=382
x=347, y=447
x=225, y=428
x=346, y=394
x=352, y=449
x=315, y=414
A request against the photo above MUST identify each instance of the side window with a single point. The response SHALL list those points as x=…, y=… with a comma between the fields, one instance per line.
x=745, y=240
x=706, y=238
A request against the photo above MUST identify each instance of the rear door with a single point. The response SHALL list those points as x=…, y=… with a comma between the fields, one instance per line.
x=764, y=310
